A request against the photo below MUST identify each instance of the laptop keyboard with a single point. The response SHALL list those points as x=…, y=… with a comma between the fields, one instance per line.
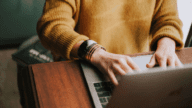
x=104, y=91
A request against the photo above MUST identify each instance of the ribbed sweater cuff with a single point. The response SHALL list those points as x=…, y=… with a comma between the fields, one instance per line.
x=167, y=32
x=68, y=45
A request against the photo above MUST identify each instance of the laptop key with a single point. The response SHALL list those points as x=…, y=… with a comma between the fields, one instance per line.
x=99, y=89
x=97, y=85
x=102, y=100
x=108, y=98
x=104, y=105
x=110, y=83
x=112, y=88
x=103, y=94
x=104, y=84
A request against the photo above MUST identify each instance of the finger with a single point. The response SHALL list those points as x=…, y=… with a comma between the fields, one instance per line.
x=162, y=61
x=132, y=65
x=118, y=70
x=152, y=62
x=171, y=61
x=178, y=62
x=124, y=66
x=113, y=78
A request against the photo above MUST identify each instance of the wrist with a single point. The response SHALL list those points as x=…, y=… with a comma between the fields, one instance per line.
x=166, y=42
x=96, y=51
x=97, y=55
x=87, y=49
x=74, y=51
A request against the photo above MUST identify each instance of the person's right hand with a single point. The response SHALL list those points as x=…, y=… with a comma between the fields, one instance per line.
x=112, y=64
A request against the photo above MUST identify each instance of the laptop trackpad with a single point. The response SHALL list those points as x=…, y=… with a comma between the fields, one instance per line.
x=141, y=61
x=92, y=74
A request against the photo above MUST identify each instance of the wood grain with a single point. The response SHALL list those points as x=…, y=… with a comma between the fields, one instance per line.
x=61, y=85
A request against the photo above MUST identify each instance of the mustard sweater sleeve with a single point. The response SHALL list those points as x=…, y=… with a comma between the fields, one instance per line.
x=56, y=26
x=166, y=22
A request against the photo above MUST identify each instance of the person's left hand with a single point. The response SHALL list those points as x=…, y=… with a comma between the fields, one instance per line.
x=165, y=54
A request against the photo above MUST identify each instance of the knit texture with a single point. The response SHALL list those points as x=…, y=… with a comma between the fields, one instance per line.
x=121, y=26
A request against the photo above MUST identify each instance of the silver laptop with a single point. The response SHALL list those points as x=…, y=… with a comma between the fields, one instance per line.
x=156, y=87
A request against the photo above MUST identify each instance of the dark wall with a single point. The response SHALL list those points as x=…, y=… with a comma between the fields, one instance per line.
x=18, y=19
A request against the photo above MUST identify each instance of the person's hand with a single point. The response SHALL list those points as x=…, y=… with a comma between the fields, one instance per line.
x=112, y=64
x=165, y=54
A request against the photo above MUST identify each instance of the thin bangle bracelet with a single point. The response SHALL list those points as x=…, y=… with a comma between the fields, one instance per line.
x=93, y=49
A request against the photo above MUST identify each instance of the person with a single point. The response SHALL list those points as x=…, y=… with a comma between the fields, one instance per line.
x=85, y=28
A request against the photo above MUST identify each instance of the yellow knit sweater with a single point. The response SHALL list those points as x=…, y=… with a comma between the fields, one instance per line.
x=121, y=26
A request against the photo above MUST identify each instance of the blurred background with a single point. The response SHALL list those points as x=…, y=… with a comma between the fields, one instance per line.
x=18, y=20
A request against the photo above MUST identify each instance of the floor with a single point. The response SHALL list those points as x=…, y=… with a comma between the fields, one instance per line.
x=9, y=94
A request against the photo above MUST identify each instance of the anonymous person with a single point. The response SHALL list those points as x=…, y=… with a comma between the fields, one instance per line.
x=85, y=28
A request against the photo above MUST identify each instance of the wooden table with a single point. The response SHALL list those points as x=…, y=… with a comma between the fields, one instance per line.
x=62, y=84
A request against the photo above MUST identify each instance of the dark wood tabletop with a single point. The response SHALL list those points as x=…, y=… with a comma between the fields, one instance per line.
x=62, y=84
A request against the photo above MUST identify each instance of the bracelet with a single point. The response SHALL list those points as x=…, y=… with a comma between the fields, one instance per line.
x=87, y=48
x=92, y=50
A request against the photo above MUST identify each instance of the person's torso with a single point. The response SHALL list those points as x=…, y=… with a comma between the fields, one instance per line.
x=121, y=26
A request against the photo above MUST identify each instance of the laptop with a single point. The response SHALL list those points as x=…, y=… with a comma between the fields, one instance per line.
x=155, y=87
